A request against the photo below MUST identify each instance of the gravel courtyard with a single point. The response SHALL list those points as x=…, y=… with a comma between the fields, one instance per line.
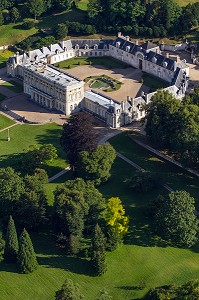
x=130, y=78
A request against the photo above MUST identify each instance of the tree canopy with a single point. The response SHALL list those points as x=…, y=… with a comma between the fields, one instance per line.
x=78, y=135
x=174, y=124
x=69, y=291
x=174, y=218
x=26, y=261
x=96, y=165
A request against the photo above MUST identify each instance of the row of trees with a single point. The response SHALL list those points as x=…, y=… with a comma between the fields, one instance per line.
x=142, y=17
x=174, y=124
x=20, y=252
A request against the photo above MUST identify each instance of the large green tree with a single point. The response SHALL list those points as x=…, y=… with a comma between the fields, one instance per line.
x=96, y=165
x=69, y=291
x=78, y=135
x=11, y=189
x=77, y=205
x=98, y=258
x=11, y=246
x=36, y=7
x=174, y=218
x=27, y=261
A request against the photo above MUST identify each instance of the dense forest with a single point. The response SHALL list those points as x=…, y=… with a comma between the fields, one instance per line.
x=149, y=18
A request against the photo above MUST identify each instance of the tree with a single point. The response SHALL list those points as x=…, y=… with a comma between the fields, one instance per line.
x=96, y=165
x=63, y=4
x=11, y=189
x=38, y=156
x=11, y=246
x=98, y=252
x=162, y=119
x=30, y=209
x=70, y=209
x=116, y=222
x=27, y=262
x=60, y=31
x=174, y=218
x=143, y=181
x=78, y=135
x=69, y=291
x=14, y=14
x=36, y=7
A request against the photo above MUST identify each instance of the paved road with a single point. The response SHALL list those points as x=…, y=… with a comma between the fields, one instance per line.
x=59, y=174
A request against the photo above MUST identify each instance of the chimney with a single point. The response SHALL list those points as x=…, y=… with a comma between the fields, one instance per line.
x=158, y=51
x=119, y=34
x=177, y=59
x=167, y=55
x=127, y=38
x=137, y=42
x=51, y=47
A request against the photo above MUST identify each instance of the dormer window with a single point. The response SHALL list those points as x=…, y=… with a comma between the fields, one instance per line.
x=165, y=64
x=127, y=48
x=95, y=46
x=154, y=60
x=76, y=47
x=118, y=44
x=86, y=47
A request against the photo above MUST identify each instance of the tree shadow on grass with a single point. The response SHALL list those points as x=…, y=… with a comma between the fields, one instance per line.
x=10, y=268
x=51, y=256
x=68, y=263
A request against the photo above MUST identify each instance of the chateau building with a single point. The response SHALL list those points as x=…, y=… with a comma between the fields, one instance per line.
x=55, y=89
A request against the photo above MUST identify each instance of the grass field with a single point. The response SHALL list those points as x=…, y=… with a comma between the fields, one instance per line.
x=107, y=62
x=5, y=122
x=13, y=86
x=167, y=173
x=132, y=269
x=185, y=2
x=22, y=136
x=153, y=83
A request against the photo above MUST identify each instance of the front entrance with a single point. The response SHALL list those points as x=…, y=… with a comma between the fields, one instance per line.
x=140, y=64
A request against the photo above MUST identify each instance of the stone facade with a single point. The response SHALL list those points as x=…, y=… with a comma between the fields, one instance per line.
x=54, y=89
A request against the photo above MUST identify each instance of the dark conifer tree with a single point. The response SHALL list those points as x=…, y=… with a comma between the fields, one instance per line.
x=11, y=246
x=27, y=262
x=98, y=252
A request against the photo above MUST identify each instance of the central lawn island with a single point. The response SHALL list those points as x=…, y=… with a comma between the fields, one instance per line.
x=104, y=82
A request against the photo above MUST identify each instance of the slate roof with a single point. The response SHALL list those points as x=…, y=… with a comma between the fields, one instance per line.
x=91, y=43
x=133, y=48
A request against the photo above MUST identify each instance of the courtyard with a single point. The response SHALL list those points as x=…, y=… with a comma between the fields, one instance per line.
x=129, y=78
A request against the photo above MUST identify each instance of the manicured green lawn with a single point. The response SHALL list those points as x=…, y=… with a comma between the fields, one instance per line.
x=139, y=262
x=107, y=62
x=11, y=34
x=186, y=2
x=167, y=173
x=13, y=86
x=22, y=136
x=153, y=82
x=4, y=122
x=98, y=84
